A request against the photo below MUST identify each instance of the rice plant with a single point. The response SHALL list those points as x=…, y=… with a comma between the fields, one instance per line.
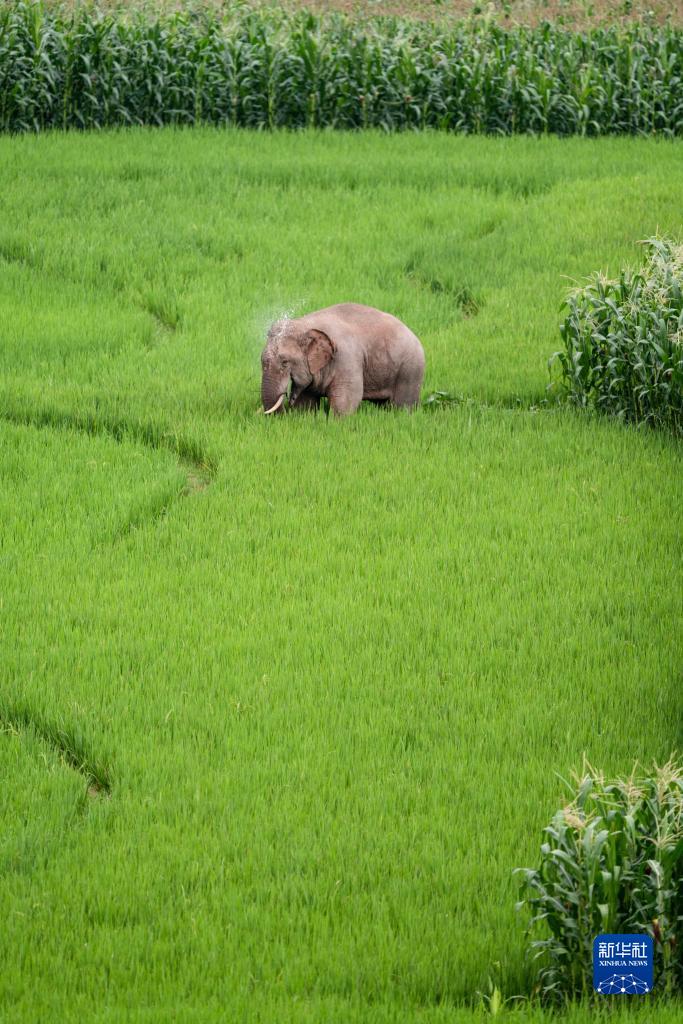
x=624, y=341
x=611, y=862
x=324, y=690
x=264, y=69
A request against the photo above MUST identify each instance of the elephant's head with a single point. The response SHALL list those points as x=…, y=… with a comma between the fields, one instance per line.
x=295, y=355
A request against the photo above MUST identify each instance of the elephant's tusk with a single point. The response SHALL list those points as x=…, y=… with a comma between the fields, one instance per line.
x=275, y=407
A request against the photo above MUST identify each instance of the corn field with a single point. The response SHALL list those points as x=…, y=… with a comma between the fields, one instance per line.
x=611, y=861
x=267, y=70
x=623, y=351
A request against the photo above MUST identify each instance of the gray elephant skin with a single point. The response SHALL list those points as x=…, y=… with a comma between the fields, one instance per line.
x=345, y=353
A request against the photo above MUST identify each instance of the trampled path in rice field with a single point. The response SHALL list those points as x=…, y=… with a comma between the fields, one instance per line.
x=324, y=698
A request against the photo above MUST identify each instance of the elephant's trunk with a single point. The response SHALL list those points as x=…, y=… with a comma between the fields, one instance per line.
x=274, y=408
x=272, y=393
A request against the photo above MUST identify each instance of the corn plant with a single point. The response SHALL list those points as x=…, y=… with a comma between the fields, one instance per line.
x=611, y=862
x=84, y=68
x=623, y=341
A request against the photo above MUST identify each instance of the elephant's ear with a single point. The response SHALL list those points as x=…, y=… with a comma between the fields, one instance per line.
x=319, y=350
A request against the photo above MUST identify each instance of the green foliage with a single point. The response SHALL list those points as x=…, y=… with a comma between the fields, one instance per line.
x=267, y=69
x=612, y=862
x=309, y=681
x=624, y=341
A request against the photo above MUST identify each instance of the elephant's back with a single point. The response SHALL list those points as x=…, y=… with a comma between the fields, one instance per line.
x=366, y=319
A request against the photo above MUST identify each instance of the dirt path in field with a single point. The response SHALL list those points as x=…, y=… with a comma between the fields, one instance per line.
x=571, y=14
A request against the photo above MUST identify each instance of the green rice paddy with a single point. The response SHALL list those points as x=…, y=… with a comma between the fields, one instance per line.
x=283, y=700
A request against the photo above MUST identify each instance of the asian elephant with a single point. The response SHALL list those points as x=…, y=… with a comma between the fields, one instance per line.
x=345, y=353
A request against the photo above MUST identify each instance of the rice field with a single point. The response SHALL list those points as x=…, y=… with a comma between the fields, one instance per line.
x=284, y=701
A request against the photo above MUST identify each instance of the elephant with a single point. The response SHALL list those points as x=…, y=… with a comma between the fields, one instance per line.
x=345, y=353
